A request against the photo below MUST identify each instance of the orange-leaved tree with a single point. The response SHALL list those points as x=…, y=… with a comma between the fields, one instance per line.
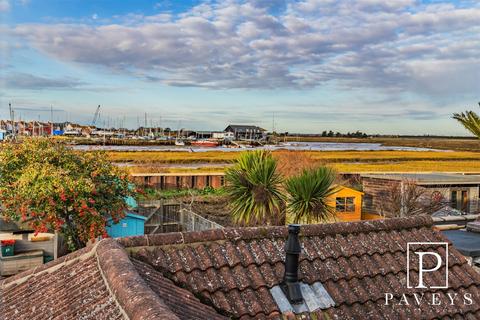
x=50, y=187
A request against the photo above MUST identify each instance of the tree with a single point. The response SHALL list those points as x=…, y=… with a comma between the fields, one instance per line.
x=292, y=163
x=49, y=186
x=406, y=199
x=470, y=120
x=308, y=195
x=254, y=187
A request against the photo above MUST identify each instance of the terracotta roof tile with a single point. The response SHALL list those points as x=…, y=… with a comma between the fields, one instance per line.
x=233, y=269
x=184, y=304
x=229, y=273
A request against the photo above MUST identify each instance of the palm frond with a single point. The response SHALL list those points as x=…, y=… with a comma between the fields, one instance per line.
x=470, y=120
x=254, y=188
x=309, y=193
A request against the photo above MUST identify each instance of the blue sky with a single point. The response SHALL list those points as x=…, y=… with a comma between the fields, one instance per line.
x=394, y=67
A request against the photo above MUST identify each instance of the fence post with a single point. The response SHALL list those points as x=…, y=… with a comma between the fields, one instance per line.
x=182, y=219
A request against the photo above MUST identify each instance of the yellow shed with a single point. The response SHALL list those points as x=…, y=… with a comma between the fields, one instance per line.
x=347, y=203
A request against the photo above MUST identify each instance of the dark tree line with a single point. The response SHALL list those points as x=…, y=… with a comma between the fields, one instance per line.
x=356, y=134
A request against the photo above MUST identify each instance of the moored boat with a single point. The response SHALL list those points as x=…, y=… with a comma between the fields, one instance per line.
x=204, y=143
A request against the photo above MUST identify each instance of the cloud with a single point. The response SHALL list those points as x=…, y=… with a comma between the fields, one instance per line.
x=4, y=6
x=32, y=82
x=393, y=45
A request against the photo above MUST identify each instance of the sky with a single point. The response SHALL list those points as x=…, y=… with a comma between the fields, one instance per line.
x=382, y=67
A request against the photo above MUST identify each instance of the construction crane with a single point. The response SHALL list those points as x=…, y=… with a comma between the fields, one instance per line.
x=96, y=116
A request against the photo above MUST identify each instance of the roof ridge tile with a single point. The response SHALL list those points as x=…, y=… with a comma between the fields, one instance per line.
x=270, y=232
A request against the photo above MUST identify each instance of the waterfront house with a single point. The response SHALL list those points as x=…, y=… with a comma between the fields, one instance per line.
x=246, y=132
x=354, y=270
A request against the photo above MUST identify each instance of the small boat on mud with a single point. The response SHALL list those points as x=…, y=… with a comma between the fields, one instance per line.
x=179, y=142
x=205, y=143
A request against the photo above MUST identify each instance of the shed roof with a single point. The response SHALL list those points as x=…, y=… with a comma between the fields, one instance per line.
x=132, y=215
x=350, y=190
x=429, y=178
x=224, y=273
x=8, y=225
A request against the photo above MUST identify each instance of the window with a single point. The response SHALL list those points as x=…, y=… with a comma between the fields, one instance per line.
x=459, y=200
x=346, y=204
x=453, y=199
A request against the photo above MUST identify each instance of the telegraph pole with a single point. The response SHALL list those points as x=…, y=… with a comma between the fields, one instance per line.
x=12, y=118
x=51, y=120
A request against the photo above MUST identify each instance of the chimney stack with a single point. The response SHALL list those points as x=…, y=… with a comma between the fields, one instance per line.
x=291, y=286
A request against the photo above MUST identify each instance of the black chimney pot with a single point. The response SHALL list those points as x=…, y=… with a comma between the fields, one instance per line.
x=291, y=286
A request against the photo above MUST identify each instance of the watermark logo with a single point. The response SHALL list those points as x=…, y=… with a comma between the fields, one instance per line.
x=427, y=270
x=417, y=257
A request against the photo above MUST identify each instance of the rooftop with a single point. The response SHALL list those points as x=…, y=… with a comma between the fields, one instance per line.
x=233, y=273
x=429, y=178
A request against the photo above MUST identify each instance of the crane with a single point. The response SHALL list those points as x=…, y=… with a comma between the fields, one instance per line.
x=96, y=116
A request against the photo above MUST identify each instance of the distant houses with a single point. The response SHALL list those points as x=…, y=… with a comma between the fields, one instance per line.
x=246, y=132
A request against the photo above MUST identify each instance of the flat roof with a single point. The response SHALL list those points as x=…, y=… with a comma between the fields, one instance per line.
x=468, y=243
x=179, y=174
x=428, y=178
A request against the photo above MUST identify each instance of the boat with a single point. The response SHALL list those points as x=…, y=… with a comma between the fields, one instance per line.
x=179, y=142
x=204, y=143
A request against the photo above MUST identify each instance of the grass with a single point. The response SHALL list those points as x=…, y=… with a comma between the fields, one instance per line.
x=156, y=194
x=161, y=157
x=172, y=156
x=343, y=161
x=456, y=143
x=399, y=166
x=159, y=169
x=410, y=166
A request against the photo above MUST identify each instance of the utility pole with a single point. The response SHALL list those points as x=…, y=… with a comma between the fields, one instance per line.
x=12, y=118
x=273, y=122
x=51, y=120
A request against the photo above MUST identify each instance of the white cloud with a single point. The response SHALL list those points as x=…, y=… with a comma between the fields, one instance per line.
x=4, y=6
x=392, y=45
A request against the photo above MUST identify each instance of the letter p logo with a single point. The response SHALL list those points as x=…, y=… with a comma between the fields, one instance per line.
x=426, y=261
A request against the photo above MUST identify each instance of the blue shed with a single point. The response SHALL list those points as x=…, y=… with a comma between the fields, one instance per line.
x=130, y=225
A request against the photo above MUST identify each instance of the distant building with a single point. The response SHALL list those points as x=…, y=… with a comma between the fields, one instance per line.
x=246, y=132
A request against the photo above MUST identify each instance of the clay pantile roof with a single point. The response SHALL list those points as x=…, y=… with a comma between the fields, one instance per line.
x=233, y=270
x=97, y=282
x=234, y=273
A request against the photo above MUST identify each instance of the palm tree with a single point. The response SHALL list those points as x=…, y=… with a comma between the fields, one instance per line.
x=254, y=187
x=308, y=195
x=470, y=120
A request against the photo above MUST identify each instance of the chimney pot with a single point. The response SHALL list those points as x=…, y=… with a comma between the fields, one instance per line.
x=293, y=249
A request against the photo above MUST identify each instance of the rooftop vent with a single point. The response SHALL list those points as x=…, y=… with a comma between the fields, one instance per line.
x=291, y=286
